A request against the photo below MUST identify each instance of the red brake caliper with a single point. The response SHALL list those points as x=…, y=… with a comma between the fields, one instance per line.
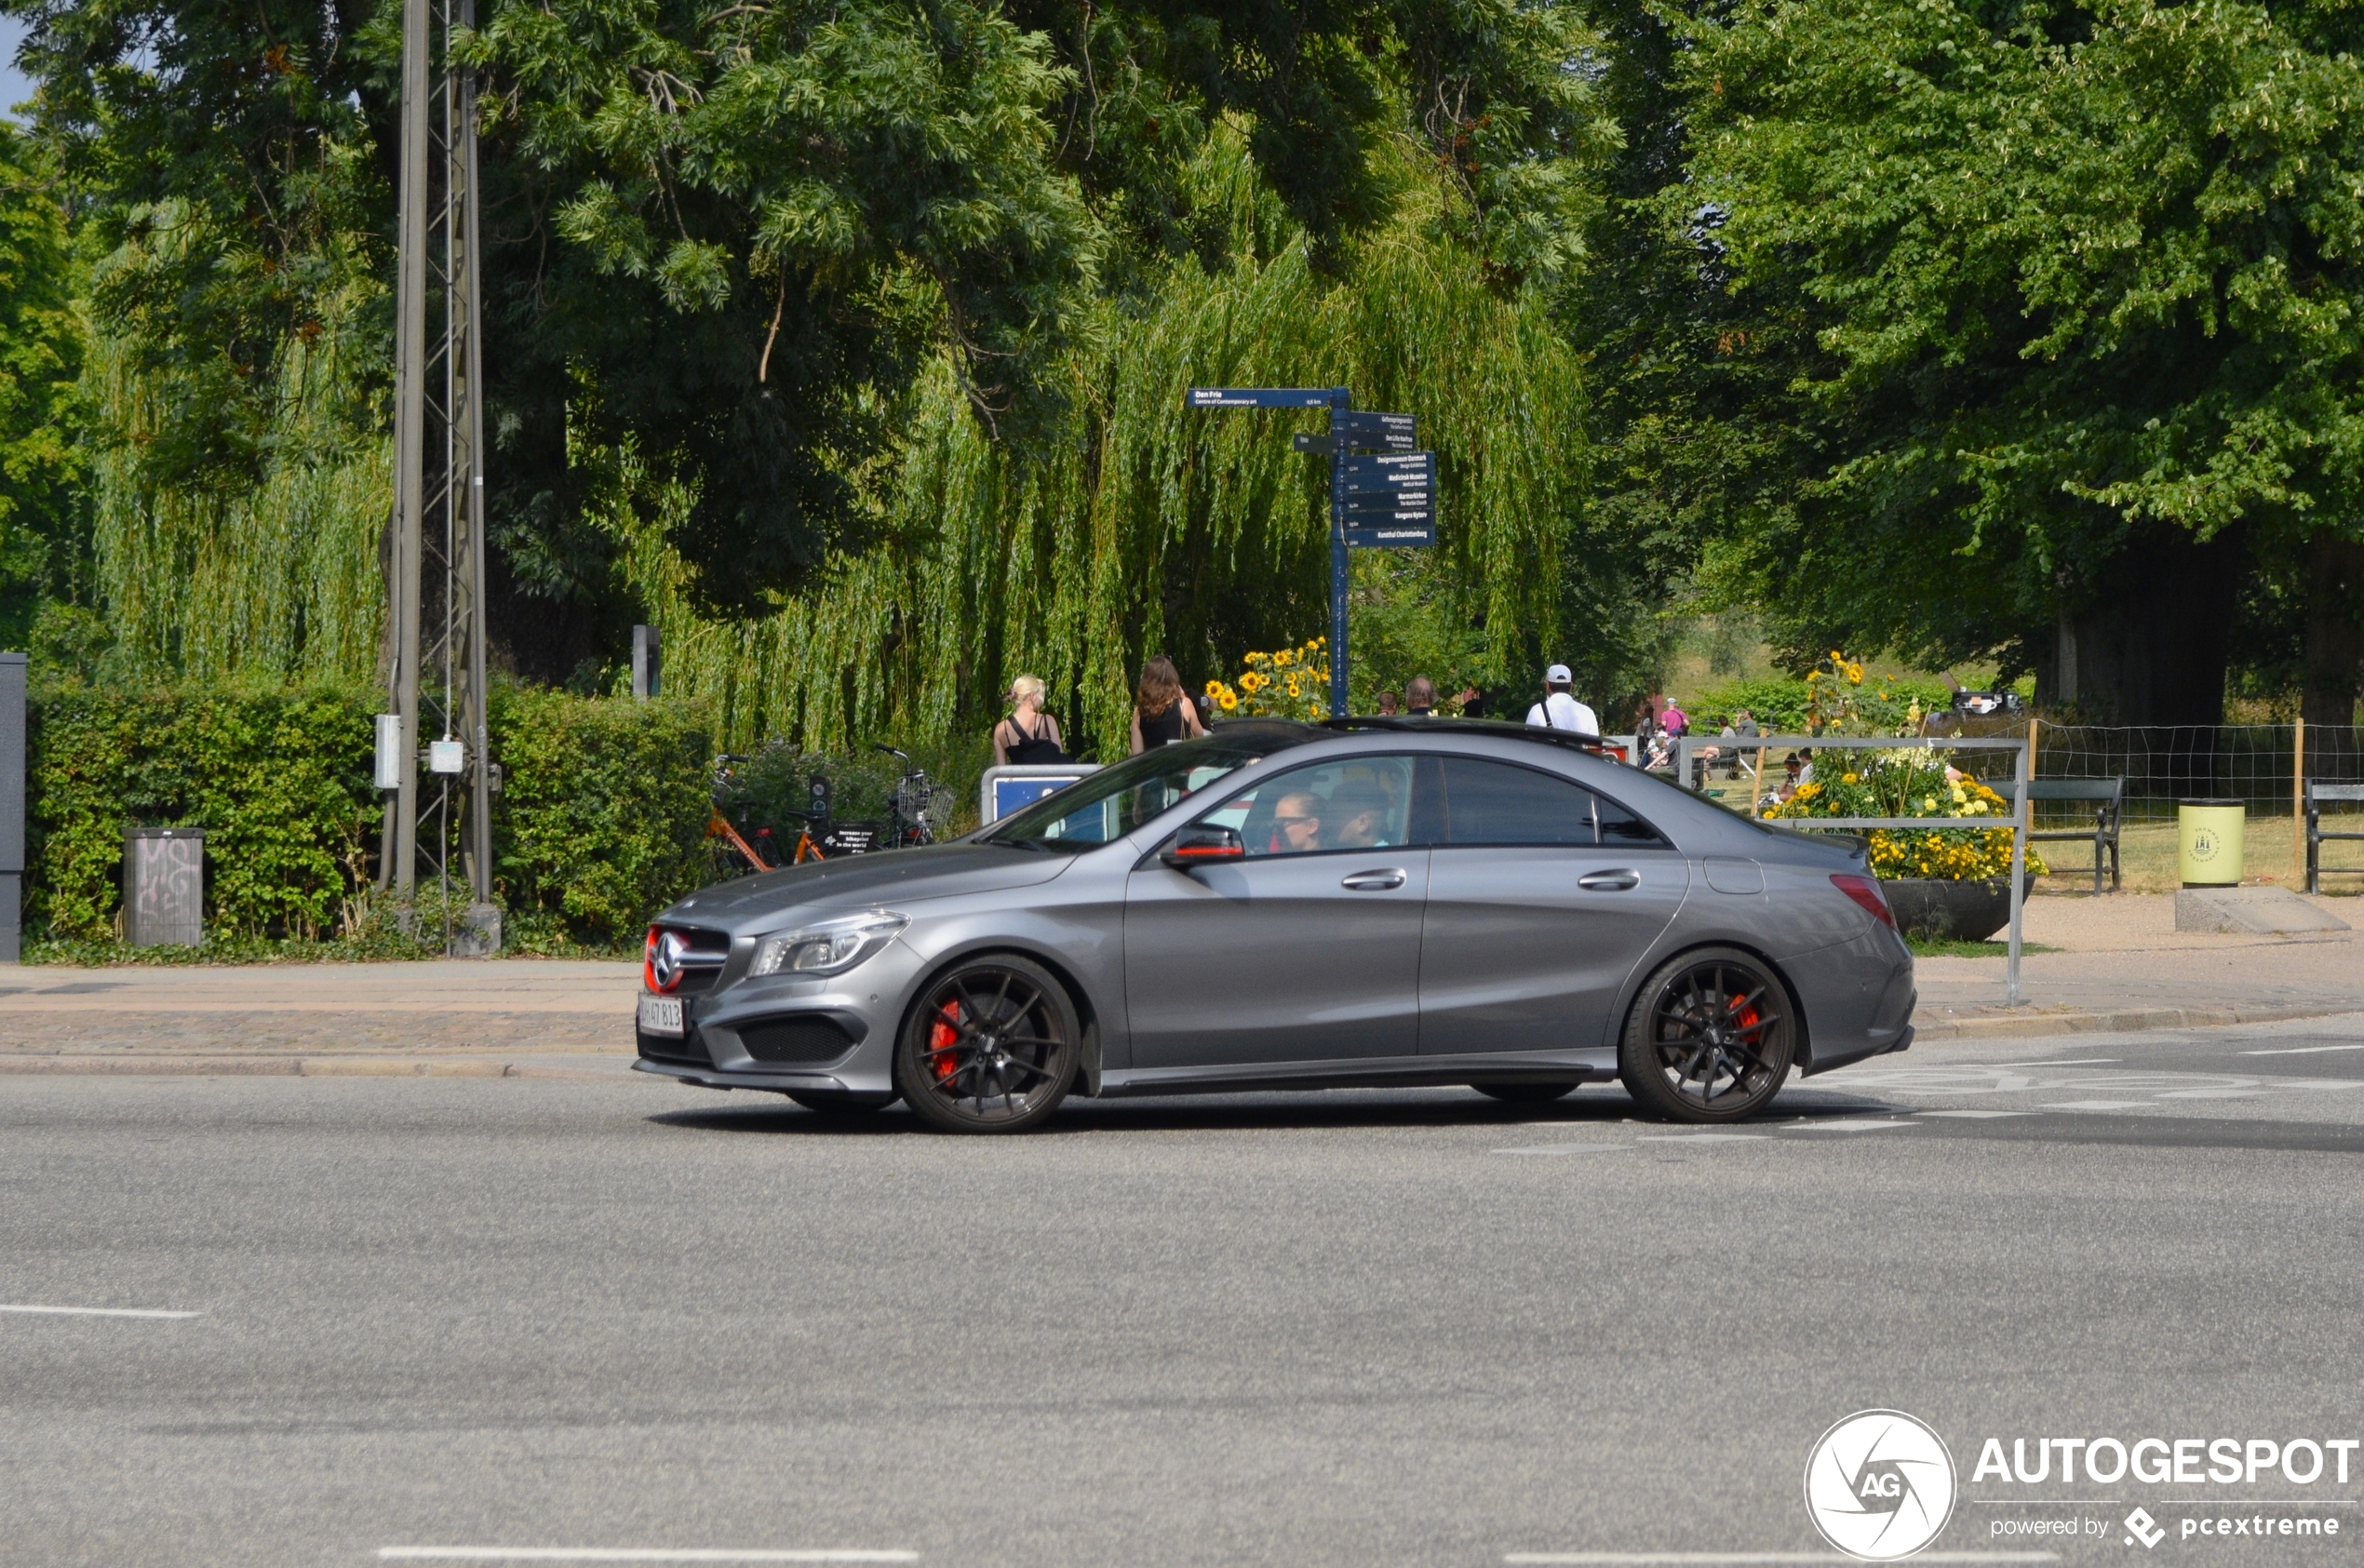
x=942, y=1036
x=1744, y=1021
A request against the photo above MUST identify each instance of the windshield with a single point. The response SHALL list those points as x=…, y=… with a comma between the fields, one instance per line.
x=1112, y=802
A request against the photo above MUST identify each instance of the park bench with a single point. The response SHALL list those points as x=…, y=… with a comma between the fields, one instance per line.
x=2105, y=795
x=2316, y=794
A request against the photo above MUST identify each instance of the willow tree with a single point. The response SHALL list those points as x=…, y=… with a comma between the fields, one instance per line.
x=1138, y=525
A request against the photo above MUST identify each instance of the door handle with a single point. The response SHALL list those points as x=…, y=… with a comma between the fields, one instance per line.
x=1609, y=881
x=1373, y=881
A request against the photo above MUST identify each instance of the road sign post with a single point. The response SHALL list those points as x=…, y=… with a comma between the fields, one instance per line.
x=1375, y=502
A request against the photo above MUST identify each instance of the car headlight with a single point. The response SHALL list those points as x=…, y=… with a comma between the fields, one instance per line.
x=827, y=946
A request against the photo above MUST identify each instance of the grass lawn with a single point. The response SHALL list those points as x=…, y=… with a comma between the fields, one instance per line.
x=1937, y=947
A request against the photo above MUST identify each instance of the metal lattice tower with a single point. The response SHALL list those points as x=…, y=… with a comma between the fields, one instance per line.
x=439, y=827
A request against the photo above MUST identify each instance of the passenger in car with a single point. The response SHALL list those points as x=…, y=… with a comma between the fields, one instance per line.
x=1296, y=824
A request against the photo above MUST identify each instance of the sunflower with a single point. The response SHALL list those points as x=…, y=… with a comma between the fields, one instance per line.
x=1227, y=702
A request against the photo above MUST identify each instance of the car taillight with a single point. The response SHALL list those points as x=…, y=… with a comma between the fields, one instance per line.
x=1865, y=891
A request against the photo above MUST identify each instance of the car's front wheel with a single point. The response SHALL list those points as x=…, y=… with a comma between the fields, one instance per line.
x=1711, y=1038
x=990, y=1048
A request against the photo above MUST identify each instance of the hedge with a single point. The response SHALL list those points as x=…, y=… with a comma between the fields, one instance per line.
x=599, y=823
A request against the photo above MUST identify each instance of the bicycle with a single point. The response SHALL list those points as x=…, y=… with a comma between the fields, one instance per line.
x=734, y=856
x=920, y=807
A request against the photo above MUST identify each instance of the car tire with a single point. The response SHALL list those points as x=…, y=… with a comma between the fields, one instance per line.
x=1525, y=1094
x=991, y=1046
x=1711, y=1038
x=838, y=1102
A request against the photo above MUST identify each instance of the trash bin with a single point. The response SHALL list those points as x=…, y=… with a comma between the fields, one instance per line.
x=164, y=887
x=2208, y=842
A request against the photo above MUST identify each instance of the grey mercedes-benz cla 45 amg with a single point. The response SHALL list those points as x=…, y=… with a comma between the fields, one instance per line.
x=1293, y=907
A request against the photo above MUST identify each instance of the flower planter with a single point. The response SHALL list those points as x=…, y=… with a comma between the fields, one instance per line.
x=1950, y=911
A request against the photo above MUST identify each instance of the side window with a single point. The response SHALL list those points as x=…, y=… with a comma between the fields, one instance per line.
x=1356, y=803
x=1500, y=803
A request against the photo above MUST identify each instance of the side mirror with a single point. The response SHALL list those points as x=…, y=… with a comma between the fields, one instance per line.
x=1202, y=843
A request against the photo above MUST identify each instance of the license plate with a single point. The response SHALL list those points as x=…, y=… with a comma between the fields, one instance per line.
x=660, y=1015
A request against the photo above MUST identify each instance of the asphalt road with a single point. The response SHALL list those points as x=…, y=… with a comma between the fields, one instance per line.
x=1368, y=1329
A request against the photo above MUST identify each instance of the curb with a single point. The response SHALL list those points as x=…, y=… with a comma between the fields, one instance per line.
x=2069, y=1021
x=296, y=1066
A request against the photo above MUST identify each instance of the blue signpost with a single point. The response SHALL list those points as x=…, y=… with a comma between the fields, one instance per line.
x=1375, y=502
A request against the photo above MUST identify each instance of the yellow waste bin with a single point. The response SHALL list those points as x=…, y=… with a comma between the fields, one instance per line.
x=2208, y=842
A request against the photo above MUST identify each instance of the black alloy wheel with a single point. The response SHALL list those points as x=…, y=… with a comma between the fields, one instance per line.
x=1711, y=1038
x=1525, y=1094
x=990, y=1048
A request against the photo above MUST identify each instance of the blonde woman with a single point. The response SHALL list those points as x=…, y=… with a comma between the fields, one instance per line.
x=1028, y=735
x=1162, y=713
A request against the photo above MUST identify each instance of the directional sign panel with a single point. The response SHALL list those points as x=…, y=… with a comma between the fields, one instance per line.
x=1396, y=470
x=1393, y=536
x=1366, y=514
x=1385, y=432
x=1258, y=398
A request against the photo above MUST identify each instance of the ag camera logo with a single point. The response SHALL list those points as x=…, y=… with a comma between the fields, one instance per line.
x=1880, y=1485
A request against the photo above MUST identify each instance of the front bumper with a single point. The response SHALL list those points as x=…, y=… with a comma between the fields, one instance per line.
x=786, y=1033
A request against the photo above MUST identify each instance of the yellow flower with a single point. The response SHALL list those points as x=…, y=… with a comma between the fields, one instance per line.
x=1293, y=685
x=1214, y=687
x=1227, y=702
x=1928, y=803
x=1286, y=656
x=1850, y=778
x=1855, y=675
x=1251, y=683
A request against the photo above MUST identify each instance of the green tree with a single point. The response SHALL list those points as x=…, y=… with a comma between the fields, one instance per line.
x=2062, y=301
x=43, y=537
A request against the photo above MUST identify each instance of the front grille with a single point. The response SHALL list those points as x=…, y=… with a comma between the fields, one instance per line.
x=691, y=1049
x=709, y=950
x=804, y=1041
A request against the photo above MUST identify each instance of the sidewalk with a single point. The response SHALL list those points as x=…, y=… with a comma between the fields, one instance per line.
x=2120, y=965
x=511, y=1017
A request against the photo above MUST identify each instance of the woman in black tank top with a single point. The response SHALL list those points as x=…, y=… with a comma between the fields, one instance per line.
x=1161, y=715
x=1028, y=736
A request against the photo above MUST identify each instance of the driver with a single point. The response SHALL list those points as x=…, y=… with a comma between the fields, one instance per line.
x=1361, y=818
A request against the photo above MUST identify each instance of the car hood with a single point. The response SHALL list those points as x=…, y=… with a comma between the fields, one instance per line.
x=886, y=876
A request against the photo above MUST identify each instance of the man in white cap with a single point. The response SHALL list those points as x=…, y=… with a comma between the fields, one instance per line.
x=1560, y=711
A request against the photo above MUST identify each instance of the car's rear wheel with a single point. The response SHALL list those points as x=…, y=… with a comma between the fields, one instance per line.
x=990, y=1048
x=834, y=1102
x=1711, y=1038
x=1525, y=1094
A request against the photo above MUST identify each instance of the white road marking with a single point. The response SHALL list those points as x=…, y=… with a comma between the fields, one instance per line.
x=1703, y=1137
x=2098, y=1105
x=1736, y=1557
x=2211, y=1094
x=2081, y=1061
x=1849, y=1126
x=2303, y=1049
x=628, y=1554
x=1566, y=1148
x=1980, y=1115
x=100, y=1312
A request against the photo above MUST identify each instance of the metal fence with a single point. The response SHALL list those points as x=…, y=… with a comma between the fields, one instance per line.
x=2257, y=764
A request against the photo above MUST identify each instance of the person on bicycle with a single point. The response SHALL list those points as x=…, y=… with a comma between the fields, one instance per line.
x=1028, y=735
x=1162, y=713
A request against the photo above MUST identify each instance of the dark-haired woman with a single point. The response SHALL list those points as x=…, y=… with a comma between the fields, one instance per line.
x=1161, y=713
